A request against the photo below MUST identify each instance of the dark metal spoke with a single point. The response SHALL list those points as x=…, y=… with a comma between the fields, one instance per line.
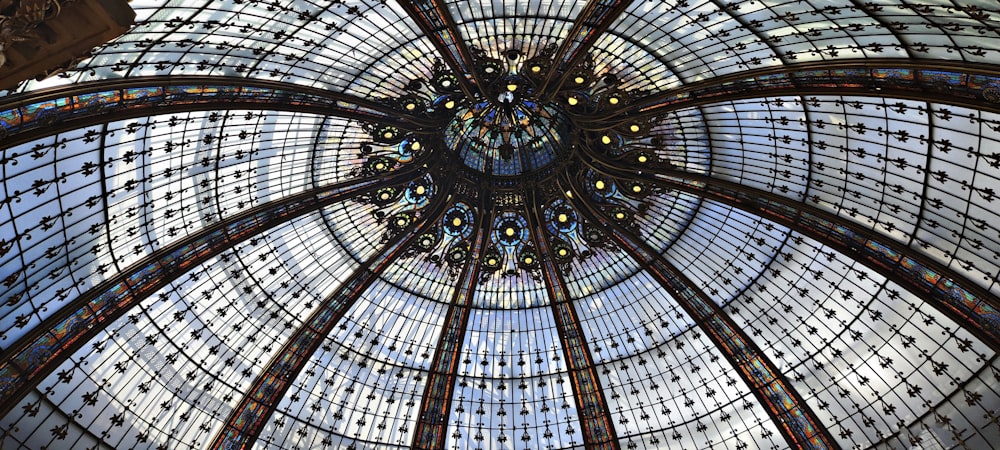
x=435, y=21
x=791, y=415
x=435, y=407
x=951, y=293
x=592, y=407
x=29, y=360
x=258, y=403
x=596, y=17
x=47, y=112
x=871, y=77
x=438, y=224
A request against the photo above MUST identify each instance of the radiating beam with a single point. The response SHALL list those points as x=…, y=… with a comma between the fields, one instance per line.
x=34, y=356
x=596, y=17
x=592, y=407
x=435, y=406
x=29, y=116
x=436, y=23
x=956, y=83
x=247, y=420
x=960, y=299
x=790, y=413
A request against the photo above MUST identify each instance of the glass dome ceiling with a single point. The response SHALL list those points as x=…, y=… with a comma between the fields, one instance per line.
x=505, y=225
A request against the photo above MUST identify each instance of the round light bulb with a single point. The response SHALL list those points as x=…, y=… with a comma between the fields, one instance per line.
x=620, y=216
x=634, y=128
x=613, y=100
x=536, y=69
x=599, y=184
x=579, y=80
x=637, y=189
x=415, y=146
x=563, y=252
x=384, y=196
x=411, y=106
x=491, y=262
x=456, y=222
x=572, y=101
x=421, y=190
x=512, y=87
x=379, y=166
x=643, y=158
x=388, y=135
x=446, y=83
x=563, y=218
x=509, y=231
x=528, y=260
x=449, y=104
x=605, y=139
x=401, y=222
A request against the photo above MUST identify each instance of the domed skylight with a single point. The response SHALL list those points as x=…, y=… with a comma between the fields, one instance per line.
x=508, y=225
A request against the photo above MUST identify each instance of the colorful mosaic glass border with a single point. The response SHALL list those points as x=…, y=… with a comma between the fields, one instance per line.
x=955, y=85
x=598, y=432
x=100, y=102
x=434, y=408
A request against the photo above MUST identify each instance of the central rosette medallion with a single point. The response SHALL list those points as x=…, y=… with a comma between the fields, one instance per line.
x=508, y=134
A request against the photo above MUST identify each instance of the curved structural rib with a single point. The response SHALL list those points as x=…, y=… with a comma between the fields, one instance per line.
x=435, y=406
x=29, y=360
x=955, y=296
x=970, y=85
x=47, y=112
x=247, y=420
x=798, y=424
x=435, y=21
x=596, y=17
x=592, y=407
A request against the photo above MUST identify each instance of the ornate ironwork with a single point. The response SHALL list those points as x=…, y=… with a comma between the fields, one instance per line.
x=951, y=293
x=435, y=407
x=572, y=59
x=595, y=417
x=967, y=85
x=34, y=356
x=247, y=419
x=26, y=116
x=436, y=22
x=799, y=425
x=711, y=147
